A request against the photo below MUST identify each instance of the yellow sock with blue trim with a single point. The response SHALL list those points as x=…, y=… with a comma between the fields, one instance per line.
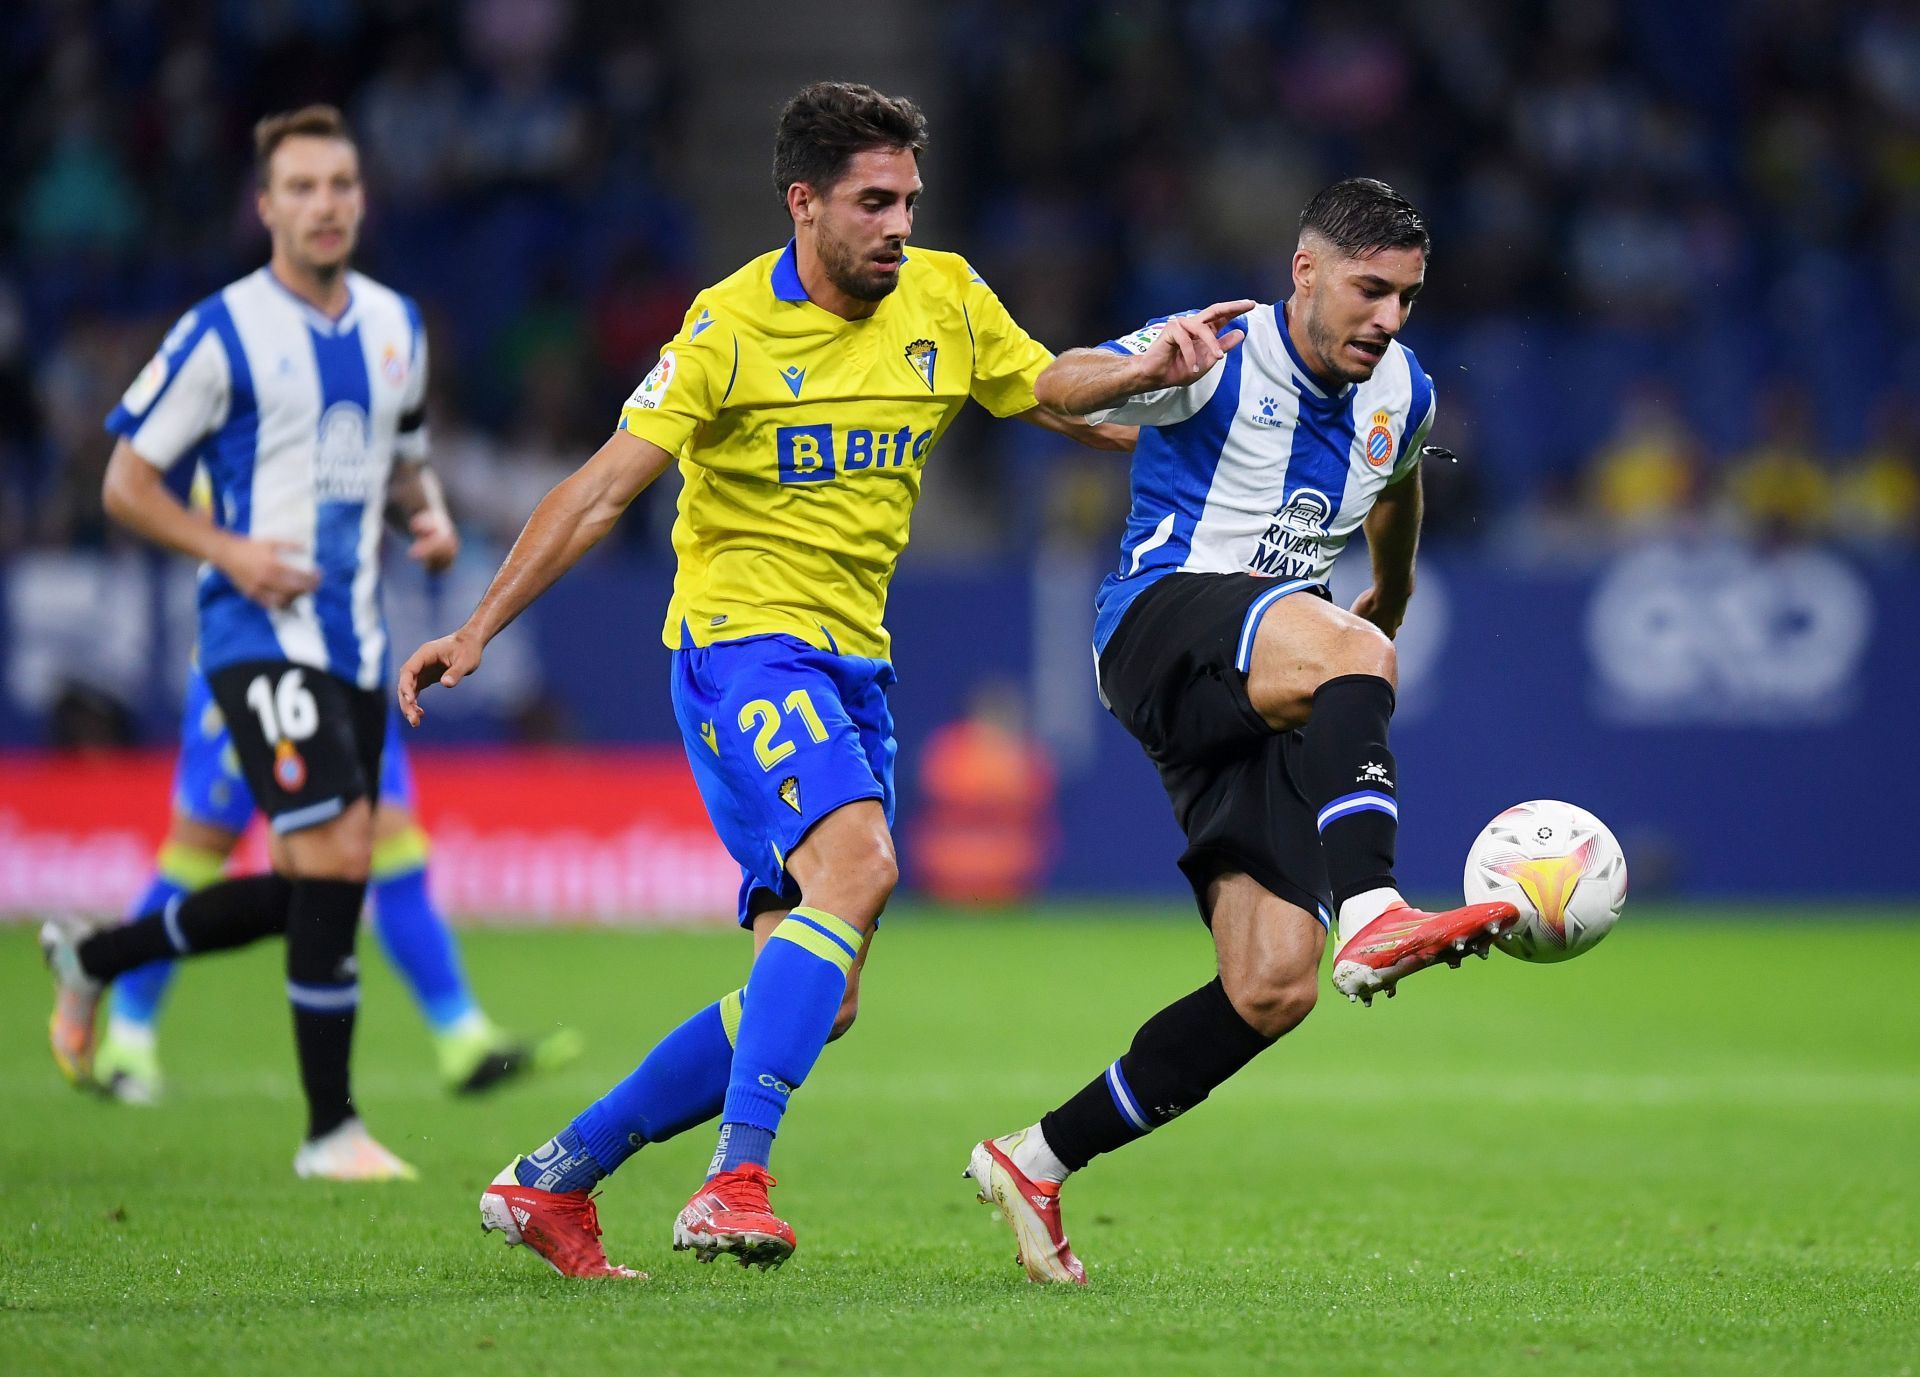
x=795, y=990
x=178, y=871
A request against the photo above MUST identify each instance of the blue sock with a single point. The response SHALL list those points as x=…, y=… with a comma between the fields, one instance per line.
x=415, y=935
x=559, y=1164
x=681, y=1083
x=791, y=998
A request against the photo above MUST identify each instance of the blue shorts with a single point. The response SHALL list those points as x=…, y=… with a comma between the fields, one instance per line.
x=779, y=735
x=207, y=785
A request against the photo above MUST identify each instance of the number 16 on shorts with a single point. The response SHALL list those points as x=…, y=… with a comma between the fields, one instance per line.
x=309, y=742
x=287, y=714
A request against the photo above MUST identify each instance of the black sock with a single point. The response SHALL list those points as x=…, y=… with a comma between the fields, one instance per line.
x=323, y=985
x=229, y=914
x=1348, y=773
x=1177, y=1058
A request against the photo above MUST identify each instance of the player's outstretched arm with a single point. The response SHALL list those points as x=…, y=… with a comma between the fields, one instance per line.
x=569, y=521
x=1186, y=349
x=1393, y=536
x=135, y=494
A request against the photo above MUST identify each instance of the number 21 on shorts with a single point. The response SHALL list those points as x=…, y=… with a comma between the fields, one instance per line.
x=287, y=714
x=764, y=721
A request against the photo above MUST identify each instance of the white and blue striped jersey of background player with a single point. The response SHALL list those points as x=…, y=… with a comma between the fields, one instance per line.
x=1257, y=467
x=297, y=420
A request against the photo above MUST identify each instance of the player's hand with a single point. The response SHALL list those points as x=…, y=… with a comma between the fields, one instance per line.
x=445, y=661
x=436, y=544
x=1383, y=610
x=257, y=568
x=1187, y=349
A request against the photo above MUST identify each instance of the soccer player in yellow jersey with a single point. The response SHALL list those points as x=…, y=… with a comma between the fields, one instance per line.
x=801, y=398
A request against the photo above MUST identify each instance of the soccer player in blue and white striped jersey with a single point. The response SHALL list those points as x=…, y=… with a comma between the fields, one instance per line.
x=300, y=391
x=1268, y=435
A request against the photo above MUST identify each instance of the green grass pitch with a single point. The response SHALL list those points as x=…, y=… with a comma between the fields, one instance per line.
x=1695, y=1150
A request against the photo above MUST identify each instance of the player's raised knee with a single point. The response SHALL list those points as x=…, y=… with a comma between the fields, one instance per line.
x=1364, y=649
x=1277, y=1002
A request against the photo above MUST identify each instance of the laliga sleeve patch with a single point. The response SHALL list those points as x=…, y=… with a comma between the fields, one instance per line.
x=653, y=388
x=146, y=387
x=1142, y=339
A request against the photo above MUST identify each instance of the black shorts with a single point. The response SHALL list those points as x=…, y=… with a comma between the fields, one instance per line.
x=1170, y=674
x=308, y=741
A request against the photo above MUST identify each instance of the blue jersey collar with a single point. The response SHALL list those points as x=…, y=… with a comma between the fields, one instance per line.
x=786, y=275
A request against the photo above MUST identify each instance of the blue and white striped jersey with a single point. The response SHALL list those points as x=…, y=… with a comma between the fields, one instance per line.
x=297, y=420
x=1256, y=468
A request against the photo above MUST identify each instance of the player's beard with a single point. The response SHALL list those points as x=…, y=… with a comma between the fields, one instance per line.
x=1328, y=348
x=853, y=273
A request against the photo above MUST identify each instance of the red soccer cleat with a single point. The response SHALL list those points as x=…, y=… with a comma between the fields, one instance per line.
x=561, y=1226
x=730, y=1214
x=1404, y=940
x=1032, y=1208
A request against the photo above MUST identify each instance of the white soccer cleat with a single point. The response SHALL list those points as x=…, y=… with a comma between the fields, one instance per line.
x=76, y=1000
x=1031, y=1207
x=349, y=1153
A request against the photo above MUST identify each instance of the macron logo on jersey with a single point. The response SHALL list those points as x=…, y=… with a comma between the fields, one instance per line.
x=793, y=377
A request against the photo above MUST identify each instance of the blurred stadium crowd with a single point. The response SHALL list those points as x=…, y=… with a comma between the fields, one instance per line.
x=1676, y=272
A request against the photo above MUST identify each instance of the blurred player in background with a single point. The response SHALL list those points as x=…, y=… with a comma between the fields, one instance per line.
x=211, y=809
x=802, y=397
x=1268, y=435
x=301, y=390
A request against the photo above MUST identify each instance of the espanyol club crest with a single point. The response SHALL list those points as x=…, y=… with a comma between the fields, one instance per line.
x=392, y=367
x=1380, y=440
x=920, y=356
x=289, y=768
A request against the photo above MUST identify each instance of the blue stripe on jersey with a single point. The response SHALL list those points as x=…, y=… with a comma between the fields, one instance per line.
x=232, y=627
x=1188, y=454
x=1420, y=406
x=1322, y=450
x=341, y=361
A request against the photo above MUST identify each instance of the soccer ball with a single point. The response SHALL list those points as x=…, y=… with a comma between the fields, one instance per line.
x=1560, y=866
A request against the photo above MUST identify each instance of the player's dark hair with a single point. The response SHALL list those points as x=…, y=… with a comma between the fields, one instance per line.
x=829, y=121
x=1361, y=216
x=309, y=121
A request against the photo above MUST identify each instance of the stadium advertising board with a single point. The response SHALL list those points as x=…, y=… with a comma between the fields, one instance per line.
x=518, y=835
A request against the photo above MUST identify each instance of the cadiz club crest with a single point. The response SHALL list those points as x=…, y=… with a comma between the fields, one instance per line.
x=920, y=356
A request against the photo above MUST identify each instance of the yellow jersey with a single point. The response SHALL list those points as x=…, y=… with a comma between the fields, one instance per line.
x=801, y=438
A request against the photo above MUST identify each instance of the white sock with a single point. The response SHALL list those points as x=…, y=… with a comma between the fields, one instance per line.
x=467, y=1025
x=1363, y=908
x=129, y=1033
x=1032, y=1153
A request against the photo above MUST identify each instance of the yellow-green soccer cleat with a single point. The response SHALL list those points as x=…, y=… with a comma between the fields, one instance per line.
x=477, y=1059
x=128, y=1067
